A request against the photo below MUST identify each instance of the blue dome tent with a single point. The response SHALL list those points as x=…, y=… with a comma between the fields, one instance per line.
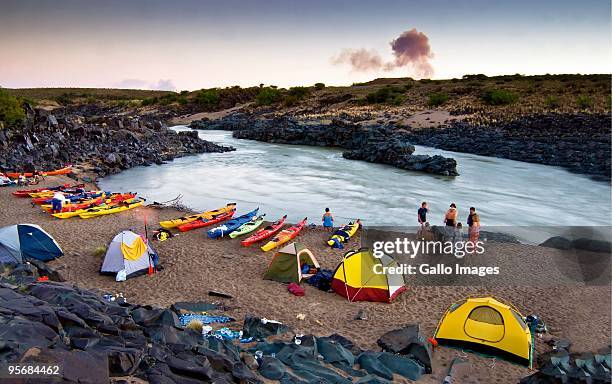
x=27, y=241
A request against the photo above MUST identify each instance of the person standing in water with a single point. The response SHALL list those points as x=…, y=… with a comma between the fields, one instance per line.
x=328, y=220
x=422, y=213
x=473, y=222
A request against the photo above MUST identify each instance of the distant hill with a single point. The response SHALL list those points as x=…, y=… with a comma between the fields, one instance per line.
x=84, y=93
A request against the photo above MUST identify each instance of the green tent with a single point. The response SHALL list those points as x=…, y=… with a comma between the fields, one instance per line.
x=286, y=266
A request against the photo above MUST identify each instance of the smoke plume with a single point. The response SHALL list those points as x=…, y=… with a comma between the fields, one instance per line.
x=410, y=49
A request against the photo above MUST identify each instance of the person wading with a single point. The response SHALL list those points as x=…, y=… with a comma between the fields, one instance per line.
x=328, y=220
x=422, y=213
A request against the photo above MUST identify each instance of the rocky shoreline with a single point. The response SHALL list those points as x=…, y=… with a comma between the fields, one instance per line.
x=104, y=143
x=375, y=144
x=577, y=142
x=580, y=143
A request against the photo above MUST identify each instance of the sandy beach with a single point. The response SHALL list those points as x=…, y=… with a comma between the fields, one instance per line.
x=194, y=265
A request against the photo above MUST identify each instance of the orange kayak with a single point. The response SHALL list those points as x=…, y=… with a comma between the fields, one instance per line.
x=61, y=171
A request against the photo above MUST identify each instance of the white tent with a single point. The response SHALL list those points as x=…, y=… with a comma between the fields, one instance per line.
x=128, y=255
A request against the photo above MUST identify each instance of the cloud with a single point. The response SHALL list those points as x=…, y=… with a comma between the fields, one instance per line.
x=411, y=50
x=361, y=60
x=161, y=84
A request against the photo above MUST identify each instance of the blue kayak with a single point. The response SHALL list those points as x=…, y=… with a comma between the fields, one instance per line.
x=231, y=225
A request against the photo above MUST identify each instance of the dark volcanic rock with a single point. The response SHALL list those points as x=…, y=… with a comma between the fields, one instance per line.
x=578, y=142
x=111, y=143
x=376, y=144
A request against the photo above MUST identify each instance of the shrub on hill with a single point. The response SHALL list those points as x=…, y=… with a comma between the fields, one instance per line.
x=268, y=96
x=584, y=102
x=208, y=97
x=319, y=86
x=552, y=102
x=11, y=108
x=437, y=99
x=499, y=97
x=386, y=94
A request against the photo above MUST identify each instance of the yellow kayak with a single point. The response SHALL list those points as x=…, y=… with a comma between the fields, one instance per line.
x=204, y=215
x=68, y=215
x=100, y=211
x=343, y=234
x=284, y=236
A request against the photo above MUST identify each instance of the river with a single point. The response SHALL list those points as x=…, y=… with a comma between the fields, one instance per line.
x=301, y=181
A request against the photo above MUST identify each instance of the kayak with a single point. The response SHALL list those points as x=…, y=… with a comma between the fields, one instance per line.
x=76, y=206
x=343, y=234
x=120, y=207
x=231, y=225
x=202, y=222
x=61, y=171
x=284, y=236
x=113, y=198
x=26, y=192
x=264, y=233
x=248, y=227
x=71, y=198
x=188, y=219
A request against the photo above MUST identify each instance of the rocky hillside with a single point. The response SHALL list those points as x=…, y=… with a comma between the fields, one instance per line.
x=106, y=142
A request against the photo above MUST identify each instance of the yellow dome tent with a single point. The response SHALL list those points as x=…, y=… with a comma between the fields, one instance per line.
x=362, y=277
x=487, y=325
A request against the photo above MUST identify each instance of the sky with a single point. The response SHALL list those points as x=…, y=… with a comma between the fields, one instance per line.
x=192, y=44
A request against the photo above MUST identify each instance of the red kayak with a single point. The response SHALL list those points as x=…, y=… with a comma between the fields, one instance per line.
x=26, y=192
x=264, y=233
x=202, y=222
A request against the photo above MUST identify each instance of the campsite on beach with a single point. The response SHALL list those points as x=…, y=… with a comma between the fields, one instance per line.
x=139, y=253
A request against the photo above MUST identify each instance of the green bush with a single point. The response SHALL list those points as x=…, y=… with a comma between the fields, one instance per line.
x=148, y=101
x=290, y=100
x=208, y=97
x=11, y=108
x=319, y=86
x=479, y=76
x=584, y=102
x=437, y=99
x=499, y=97
x=299, y=92
x=387, y=94
x=552, y=102
x=268, y=96
x=64, y=99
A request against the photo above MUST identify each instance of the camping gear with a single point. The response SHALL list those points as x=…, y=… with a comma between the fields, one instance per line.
x=322, y=280
x=488, y=325
x=284, y=236
x=455, y=364
x=343, y=234
x=286, y=266
x=128, y=255
x=206, y=215
x=7, y=183
x=107, y=210
x=27, y=241
x=204, y=319
x=231, y=225
x=61, y=171
x=203, y=222
x=248, y=227
x=262, y=234
x=296, y=290
x=162, y=234
x=362, y=277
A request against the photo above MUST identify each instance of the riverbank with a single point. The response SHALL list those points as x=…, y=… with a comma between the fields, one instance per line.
x=194, y=265
x=97, y=141
x=577, y=142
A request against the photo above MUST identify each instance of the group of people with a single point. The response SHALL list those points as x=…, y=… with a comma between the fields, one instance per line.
x=454, y=228
x=21, y=179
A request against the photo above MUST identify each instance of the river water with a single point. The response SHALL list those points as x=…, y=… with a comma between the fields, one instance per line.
x=301, y=181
